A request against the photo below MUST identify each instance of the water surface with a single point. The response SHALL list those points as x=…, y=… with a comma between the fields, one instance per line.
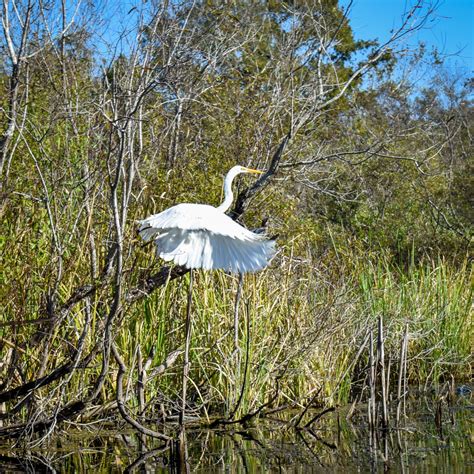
x=434, y=436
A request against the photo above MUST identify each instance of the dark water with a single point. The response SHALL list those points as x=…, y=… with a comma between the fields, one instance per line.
x=433, y=437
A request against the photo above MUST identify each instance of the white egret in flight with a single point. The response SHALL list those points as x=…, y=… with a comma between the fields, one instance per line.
x=203, y=236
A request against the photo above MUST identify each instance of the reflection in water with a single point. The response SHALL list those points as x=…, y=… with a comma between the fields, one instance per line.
x=432, y=438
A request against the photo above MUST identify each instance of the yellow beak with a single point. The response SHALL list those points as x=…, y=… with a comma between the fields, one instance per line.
x=251, y=170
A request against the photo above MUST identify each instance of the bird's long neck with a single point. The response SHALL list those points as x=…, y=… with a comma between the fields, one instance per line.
x=228, y=194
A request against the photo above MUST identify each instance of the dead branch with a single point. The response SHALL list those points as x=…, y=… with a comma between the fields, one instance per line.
x=121, y=403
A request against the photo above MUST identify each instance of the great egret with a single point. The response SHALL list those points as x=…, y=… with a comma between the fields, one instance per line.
x=202, y=236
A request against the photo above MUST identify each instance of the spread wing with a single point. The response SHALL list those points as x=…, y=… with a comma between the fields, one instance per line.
x=200, y=236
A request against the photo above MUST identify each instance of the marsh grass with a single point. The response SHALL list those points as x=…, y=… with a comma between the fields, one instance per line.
x=301, y=333
x=435, y=300
x=303, y=328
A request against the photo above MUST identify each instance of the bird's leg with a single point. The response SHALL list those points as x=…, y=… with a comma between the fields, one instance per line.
x=236, y=313
x=237, y=352
x=246, y=368
x=186, y=347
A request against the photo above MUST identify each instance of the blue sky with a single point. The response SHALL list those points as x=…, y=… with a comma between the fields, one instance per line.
x=451, y=29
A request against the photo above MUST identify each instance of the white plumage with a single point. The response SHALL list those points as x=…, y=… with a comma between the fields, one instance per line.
x=202, y=236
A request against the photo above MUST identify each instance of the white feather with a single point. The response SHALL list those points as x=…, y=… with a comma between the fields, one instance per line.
x=202, y=236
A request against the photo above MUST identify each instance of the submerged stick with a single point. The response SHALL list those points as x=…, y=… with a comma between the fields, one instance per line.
x=186, y=347
x=144, y=457
x=372, y=381
x=405, y=360
x=381, y=356
x=319, y=415
x=400, y=378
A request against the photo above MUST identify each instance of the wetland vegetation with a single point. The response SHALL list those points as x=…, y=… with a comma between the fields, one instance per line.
x=368, y=188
